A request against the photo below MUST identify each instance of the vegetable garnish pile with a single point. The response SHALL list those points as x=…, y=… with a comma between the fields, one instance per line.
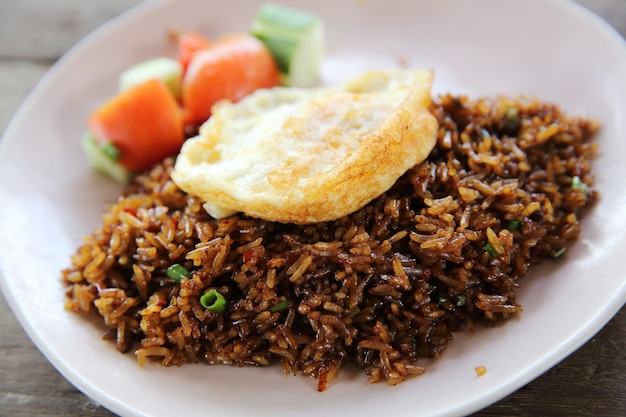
x=161, y=98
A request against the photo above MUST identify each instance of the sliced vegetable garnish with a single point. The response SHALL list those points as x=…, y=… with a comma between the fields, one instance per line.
x=280, y=306
x=188, y=44
x=105, y=158
x=296, y=40
x=560, y=252
x=177, y=272
x=144, y=122
x=160, y=97
x=230, y=68
x=214, y=301
x=168, y=70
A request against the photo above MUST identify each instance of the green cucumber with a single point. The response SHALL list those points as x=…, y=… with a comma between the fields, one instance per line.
x=104, y=158
x=168, y=70
x=296, y=40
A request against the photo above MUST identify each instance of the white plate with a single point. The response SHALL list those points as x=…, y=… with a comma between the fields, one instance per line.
x=50, y=197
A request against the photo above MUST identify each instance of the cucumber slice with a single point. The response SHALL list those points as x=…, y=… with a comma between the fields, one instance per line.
x=104, y=158
x=296, y=40
x=168, y=70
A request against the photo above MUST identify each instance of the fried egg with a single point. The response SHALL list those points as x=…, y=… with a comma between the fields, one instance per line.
x=306, y=155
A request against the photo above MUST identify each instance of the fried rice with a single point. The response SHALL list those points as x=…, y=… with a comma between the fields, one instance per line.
x=444, y=249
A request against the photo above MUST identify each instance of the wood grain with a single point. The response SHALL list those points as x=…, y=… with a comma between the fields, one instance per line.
x=34, y=34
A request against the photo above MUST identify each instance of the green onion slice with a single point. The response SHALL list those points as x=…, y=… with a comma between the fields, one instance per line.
x=213, y=301
x=560, y=252
x=578, y=184
x=460, y=300
x=511, y=120
x=514, y=225
x=280, y=306
x=490, y=250
x=177, y=272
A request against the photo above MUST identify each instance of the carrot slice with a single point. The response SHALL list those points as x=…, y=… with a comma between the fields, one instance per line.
x=188, y=44
x=144, y=122
x=231, y=68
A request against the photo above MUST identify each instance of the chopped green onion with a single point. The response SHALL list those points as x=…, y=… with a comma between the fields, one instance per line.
x=560, y=252
x=460, y=300
x=213, y=301
x=177, y=272
x=578, y=184
x=352, y=309
x=511, y=120
x=490, y=250
x=514, y=225
x=280, y=306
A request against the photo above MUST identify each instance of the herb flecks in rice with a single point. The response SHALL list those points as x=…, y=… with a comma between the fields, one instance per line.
x=444, y=249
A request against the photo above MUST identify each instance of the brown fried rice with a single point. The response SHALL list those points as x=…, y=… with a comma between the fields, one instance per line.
x=443, y=249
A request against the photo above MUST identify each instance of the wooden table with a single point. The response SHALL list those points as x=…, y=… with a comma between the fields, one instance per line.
x=33, y=34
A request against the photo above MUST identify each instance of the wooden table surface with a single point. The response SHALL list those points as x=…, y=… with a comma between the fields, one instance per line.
x=34, y=34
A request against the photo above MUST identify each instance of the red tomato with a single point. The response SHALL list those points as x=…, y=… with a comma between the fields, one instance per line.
x=231, y=68
x=144, y=122
x=188, y=44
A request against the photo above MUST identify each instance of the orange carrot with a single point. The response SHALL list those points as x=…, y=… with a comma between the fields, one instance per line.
x=231, y=68
x=188, y=44
x=144, y=122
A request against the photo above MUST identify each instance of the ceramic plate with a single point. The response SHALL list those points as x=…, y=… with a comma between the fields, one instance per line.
x=50, y=198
